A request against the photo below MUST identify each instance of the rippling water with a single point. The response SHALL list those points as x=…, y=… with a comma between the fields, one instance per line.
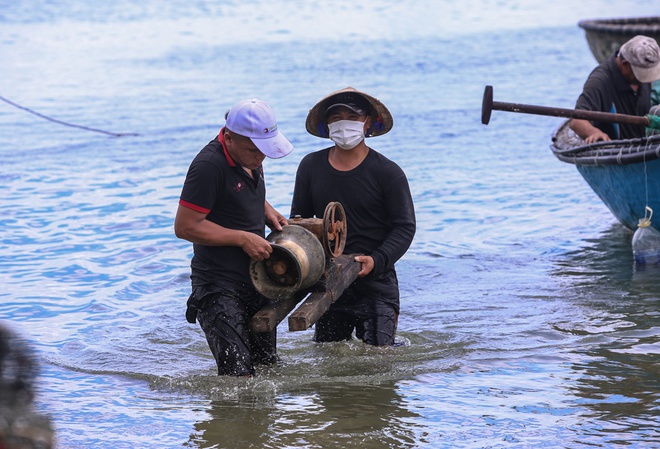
x=524, y=321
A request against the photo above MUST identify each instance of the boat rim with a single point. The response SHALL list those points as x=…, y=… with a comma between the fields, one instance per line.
x=626, y=26
x=612, y=152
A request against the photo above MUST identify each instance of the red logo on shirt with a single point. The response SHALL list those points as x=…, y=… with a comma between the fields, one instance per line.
x=238, y=187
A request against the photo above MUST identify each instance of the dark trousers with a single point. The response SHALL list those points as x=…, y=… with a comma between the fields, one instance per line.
x=224, y=312
x=370, y=307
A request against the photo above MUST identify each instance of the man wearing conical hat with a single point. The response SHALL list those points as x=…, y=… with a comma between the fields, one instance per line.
x=379, y=211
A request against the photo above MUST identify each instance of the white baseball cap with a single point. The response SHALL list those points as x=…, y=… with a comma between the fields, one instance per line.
x=643, y=54
x=255, y=119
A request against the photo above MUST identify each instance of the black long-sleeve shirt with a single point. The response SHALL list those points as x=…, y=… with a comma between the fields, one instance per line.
x=376, y=198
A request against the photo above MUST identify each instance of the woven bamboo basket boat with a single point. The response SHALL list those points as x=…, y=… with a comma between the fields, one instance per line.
x=605, y=36
x=625, y=174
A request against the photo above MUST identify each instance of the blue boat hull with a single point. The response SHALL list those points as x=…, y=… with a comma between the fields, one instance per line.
x=625, y=174
x=624, y=189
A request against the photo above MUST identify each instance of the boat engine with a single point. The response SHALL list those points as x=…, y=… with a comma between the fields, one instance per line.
x=299, y=253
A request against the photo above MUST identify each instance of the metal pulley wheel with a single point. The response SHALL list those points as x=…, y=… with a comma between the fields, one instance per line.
x=334, y=229
x=297, y=262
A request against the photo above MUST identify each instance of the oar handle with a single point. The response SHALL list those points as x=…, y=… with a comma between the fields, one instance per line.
x=488, y=105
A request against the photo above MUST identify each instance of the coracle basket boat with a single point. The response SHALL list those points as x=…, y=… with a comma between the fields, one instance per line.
x=625, y=174
x=605, y=36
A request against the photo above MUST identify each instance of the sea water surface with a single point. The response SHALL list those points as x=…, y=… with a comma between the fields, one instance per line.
x=523, y=318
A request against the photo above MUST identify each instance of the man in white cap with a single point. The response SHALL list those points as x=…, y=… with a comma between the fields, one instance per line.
x=380, y=216
x=620, y=85
x=223, y=211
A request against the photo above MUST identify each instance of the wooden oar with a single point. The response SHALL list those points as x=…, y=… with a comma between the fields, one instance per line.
x=488, y=105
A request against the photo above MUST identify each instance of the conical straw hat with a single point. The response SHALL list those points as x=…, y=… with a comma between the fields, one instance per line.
x=382, y=119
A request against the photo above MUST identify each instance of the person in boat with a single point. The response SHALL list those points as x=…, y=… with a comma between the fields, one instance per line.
x=380, y=215
x=223, y=211
x=620, y=85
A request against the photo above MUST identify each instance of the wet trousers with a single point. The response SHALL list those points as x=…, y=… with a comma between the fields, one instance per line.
x=224, y=312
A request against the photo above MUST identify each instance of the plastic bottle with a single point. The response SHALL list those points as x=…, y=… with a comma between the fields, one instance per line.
x=646, y=242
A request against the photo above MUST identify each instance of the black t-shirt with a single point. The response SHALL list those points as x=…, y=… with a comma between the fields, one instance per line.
x=606, y=90
x=376, y=197
x=217, y=186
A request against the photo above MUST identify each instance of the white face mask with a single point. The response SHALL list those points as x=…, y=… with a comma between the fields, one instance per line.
x=346, y=134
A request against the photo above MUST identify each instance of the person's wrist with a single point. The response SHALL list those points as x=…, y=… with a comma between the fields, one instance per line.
x=243, y=239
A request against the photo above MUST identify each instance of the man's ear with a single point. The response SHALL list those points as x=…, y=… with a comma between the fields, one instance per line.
x=229, y=139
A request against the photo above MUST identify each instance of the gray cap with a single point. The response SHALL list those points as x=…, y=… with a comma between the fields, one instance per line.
x=643, y=54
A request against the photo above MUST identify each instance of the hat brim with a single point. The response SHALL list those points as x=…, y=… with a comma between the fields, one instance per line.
x=352, y=107
x=274, y=147
x=646, y=75
x=316, y=124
